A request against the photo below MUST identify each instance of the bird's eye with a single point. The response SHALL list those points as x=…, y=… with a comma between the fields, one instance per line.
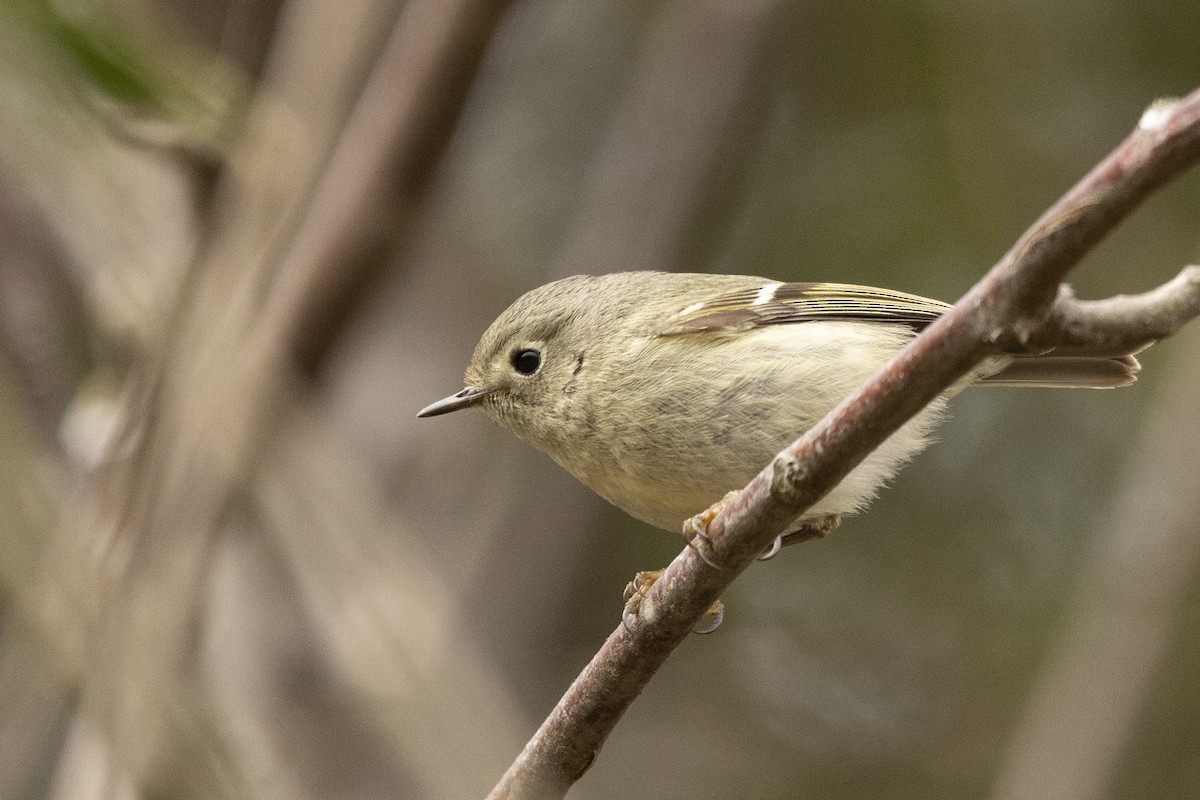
x=526, y=361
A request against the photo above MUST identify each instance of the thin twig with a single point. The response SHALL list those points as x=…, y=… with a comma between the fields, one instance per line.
x=1124, y=323
x=1015, y=306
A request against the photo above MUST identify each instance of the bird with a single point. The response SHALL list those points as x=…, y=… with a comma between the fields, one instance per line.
x=663, y=392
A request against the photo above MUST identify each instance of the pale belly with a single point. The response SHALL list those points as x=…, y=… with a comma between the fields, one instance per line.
x=681, y=439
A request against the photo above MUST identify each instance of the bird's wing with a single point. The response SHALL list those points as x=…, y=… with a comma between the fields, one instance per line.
x=787, y=303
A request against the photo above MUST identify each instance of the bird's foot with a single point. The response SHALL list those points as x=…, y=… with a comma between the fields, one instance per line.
x=695, y=530
x=817, y=528
x=636, y=591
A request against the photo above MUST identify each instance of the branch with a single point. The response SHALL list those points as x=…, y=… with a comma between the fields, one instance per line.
x=1121, y=324
x=1018, y=305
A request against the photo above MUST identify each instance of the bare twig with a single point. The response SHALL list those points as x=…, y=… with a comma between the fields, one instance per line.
x=1017, y=305
x=1121, y=324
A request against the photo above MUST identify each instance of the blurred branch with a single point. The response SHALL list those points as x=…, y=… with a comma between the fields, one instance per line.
x=1123, y=613
x=390, y=145
x=40, y=309
x=122, y=220
x=382, y=613
x=672, y=136
x=1010, y=308
x=124, y=583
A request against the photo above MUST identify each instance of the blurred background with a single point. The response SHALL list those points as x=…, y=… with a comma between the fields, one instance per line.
x=242, y=243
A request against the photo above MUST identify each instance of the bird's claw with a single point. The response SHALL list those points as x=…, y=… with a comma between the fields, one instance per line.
x=817, y=528
x=773, y=550
x=695, y=530
x=636, y=592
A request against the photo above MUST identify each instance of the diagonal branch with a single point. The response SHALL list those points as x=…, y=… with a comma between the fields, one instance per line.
x=1017, y=305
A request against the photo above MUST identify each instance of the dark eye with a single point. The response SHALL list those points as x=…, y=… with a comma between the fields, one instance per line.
x=526, y=361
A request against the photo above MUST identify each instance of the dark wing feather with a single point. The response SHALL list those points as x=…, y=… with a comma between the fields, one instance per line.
x=788, y=303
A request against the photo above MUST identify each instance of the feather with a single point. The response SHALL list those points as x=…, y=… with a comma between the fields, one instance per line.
x=789, y=303
x=792, y=303
x=1066, y=372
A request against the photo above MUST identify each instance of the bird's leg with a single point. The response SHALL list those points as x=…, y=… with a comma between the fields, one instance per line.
x=636, y=591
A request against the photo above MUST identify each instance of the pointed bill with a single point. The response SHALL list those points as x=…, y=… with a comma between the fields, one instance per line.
x=465, y=398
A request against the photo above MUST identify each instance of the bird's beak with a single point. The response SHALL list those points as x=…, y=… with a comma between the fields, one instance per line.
x=466, y=398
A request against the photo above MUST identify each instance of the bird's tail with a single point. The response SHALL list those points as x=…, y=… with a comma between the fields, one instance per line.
x=1067, y=372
